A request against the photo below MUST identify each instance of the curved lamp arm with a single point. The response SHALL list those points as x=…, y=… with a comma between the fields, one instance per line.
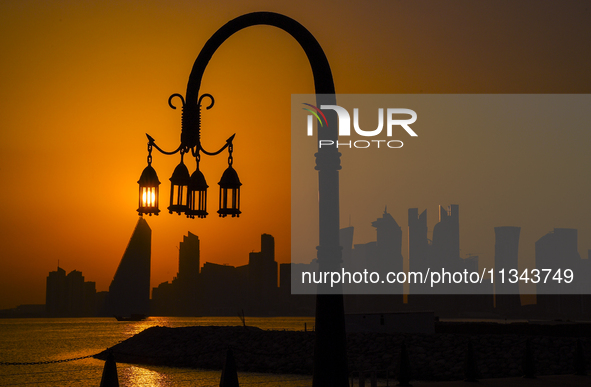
x=330, y=361
x=327, y=158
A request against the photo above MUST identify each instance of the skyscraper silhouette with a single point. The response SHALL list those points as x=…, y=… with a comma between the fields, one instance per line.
x=446, y=238
x=223, y=289
x=69, y=295
x=557, y=250
x=189, y=257
x=418, y=243
x=262, y=275
x=129, y=292
x=187, y=283
x=419, y=256
x=387, y=257
x=389, y=243
x=56, y=303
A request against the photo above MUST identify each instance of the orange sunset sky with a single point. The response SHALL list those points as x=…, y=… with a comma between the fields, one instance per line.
x=81, y=82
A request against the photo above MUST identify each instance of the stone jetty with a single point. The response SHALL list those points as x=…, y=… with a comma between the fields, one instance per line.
x=439, y=356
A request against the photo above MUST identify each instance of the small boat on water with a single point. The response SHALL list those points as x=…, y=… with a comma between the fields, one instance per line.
x=133, y=317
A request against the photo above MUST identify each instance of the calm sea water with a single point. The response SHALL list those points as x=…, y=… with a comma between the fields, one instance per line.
x=39, y=340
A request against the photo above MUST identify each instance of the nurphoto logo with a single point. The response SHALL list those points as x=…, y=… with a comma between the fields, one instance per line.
x=394, y=117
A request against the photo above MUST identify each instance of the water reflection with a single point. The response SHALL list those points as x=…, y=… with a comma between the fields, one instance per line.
x=167, y=377
x=133, y=328
x=137, y=376
x=130, y=375
x=38, y=340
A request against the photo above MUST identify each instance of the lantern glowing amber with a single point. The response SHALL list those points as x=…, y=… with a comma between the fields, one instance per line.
x=229, y=193
x=179, y=189
x=148, y=195
x=197, y=195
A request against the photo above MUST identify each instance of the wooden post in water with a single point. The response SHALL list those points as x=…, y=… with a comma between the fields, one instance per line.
x=109, y=378
x=229, y=372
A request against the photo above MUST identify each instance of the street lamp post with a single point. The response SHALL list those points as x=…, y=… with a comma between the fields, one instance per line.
x=188, y=193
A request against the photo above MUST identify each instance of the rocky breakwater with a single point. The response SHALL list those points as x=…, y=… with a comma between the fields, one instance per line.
x=255, y=350
x=440, y=356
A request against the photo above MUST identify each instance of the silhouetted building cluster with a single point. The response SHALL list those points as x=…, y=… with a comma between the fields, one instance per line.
x=558, y=251
x=129, y=293
x=69, y=295
x=262, y=287
x=222, y=290
x=555, y=252
x=442, y=252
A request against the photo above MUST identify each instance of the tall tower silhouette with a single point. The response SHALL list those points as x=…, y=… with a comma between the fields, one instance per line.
x=420, y=257
x=189, y=257
x=446, y=238
x=389, y=243
x=56, y=293
x=557, y=250
x=418, y=243
x=187, y=283
x=129, y=292
x=385, y=257
x=262, y=275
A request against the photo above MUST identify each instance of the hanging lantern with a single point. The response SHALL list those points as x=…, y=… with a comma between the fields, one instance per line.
x=179, y=189
x=197, y=195
x=188, y=193
x=148, y=198
x=229, y=193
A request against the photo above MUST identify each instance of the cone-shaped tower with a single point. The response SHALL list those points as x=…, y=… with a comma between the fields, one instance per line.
x=129, y=292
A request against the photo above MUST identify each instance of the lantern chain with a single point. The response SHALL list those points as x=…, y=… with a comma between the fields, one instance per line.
x=230, y=157
x=149, y=153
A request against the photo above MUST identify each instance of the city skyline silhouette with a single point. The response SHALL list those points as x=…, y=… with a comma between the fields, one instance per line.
x=260, y=286
x=73, y=77
x=82, y=83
